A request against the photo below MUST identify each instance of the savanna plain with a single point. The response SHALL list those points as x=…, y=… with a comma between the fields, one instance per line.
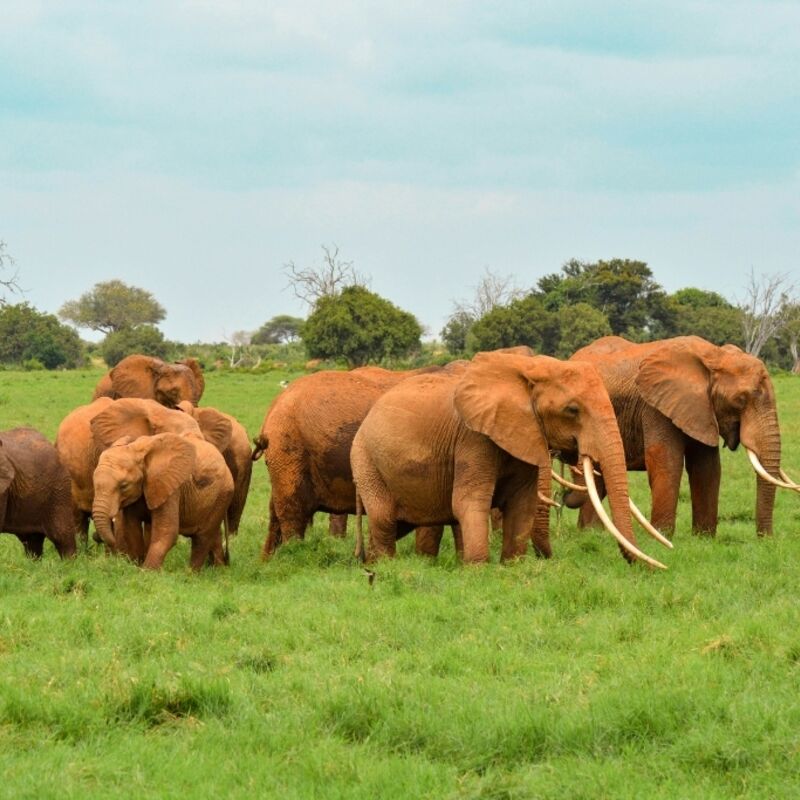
x=296, y=678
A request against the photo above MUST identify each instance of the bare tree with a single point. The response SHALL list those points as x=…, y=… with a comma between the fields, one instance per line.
x=493, y=290
x=792, y=333
x=764, y=309
x=241, y=351
x=11, y=283
x=312, y=283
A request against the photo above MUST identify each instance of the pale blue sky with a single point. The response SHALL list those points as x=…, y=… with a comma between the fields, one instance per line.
x=192, y=148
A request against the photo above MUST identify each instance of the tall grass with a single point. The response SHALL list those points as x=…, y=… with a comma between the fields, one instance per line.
x=576, y=677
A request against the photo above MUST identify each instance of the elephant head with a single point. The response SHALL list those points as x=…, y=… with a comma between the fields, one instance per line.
x=134, y=417
x=151, y=378
x=152, y=467
x=532, y=407
x=711, y=392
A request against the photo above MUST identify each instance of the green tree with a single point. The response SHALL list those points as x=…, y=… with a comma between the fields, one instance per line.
x=27, y=335
x=698, y=312
x=278, y=330
x=455, y=332
x=522, y=321
x=580, y=325
x=623, y=289
x=359, y=326
x=112, y=306
x=146, y=339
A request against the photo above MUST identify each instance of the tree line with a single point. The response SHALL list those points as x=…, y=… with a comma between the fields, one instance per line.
x=348, y=323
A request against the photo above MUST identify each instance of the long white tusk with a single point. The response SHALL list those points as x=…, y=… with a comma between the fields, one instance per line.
x=785, y=477
x=606, y=520
x=645, y=523
x=568, y=484
x=548, y=501
x=762, y=473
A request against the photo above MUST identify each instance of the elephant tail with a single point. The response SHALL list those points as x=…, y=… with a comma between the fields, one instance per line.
x=261, y=443
x=359, y=552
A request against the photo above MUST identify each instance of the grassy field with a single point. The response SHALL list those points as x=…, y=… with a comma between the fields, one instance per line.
x=580, y=677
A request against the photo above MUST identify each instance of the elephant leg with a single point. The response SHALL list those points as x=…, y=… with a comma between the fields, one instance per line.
x=474, y=522
x=703, y=467
x=428, y=540
x=540, y=535
x=519, y=522
x=274, y=537
x=131, y=539
x=496, y=518
x=206, y=546
x=163, y=532
x=458, y=540
x=664, y=447
x=337, y=525
x=33, y=544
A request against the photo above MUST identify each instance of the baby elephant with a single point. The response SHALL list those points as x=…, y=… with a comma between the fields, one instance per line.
x=35, y=495
x=169, y=483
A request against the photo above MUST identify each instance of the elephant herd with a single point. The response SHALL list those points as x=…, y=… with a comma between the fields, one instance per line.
x=415, y=451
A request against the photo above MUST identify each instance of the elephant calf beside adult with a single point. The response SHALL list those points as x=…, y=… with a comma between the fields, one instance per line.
x=674, y=399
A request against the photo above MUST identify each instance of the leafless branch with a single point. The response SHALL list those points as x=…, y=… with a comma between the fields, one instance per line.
x=312, y=283
x=493, y=290
x=6, y=260
x=764, y=309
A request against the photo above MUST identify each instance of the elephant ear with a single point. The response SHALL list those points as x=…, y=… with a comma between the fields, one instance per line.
x=7, y=471
x=199, y=380
x=119, y=419
x=215, y=427
x=493, y=397
x=135, y=376
x=676, y=381
x=168, y=462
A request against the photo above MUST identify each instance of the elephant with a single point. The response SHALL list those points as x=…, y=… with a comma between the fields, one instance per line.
x=445, y=448
x=153, y=379
x=306, y=438
x=88, y=430
x=236, y=454
x=35, y=495
x=169, y=483
x=674, y=399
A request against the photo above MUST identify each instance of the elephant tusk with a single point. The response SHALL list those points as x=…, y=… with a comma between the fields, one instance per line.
x=786, y=478
x=762, y=473
x=606, y=520
x=645, y=523
x=576, y=487
x=548, y=501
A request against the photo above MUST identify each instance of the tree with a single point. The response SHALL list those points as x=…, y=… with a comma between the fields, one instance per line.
x=522, y=321
x=145, y=339
x=764, y=309
x=359, y=326
x=112, y=306
x=697, y=312
x=278, y=330
x=28, y=335
x=792, y=334
x=623, y=289
x=455, y=332
x=312, y=284
x=11, y=283
x=580, y=325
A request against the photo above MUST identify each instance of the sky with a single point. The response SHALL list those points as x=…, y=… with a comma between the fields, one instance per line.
x=195, y=147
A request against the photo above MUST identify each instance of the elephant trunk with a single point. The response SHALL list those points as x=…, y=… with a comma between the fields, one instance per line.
x=760, y=433
x=104, y=508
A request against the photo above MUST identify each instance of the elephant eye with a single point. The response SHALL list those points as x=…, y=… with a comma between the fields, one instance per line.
x=571, y=410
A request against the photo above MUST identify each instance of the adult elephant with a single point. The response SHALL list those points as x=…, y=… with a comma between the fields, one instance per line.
x=151, y=378
x=88, y=430
x=35, y=496
x=168, y=484
x=446, y=448
x=674, y=400
x=306, y=438
x=237, y=455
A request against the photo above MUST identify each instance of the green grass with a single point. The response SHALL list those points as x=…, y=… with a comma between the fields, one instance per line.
x=577, y=677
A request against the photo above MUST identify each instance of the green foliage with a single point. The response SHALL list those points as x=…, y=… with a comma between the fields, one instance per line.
x=279, y=330
x=360, y=326
x=576, y=677
x=28, y=335
x=456, y=330
x=112, y=306
x=699, y=298
x=697, y=312
x=145, y=339
x=623, y=289
x=580, y=324
x=523, y=321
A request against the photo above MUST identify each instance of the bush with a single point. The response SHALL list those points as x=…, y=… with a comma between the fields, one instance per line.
x=28, y=335
x=146, y=339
